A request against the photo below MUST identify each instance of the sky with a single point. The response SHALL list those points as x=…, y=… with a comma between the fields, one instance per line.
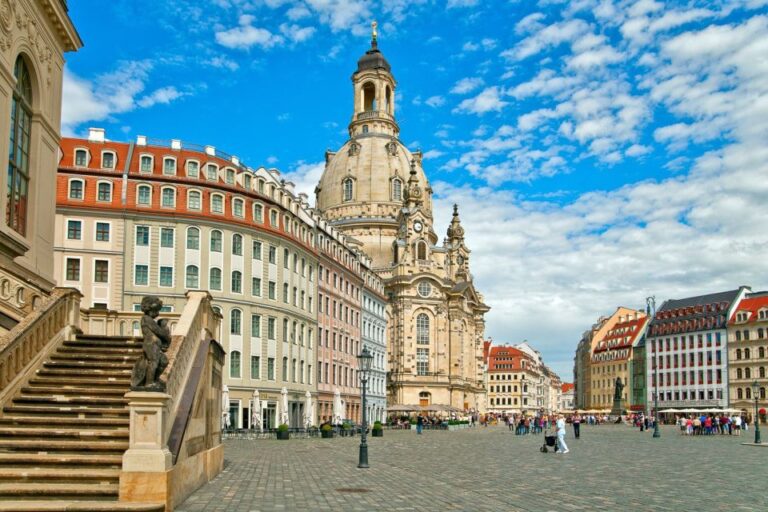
x=600, y=151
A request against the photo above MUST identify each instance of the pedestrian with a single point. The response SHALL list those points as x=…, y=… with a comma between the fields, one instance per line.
x=561, y=435
x=576, y=425
x=419, y=424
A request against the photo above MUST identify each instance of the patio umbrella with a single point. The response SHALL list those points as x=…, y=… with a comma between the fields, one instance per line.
x=225, y=408
x=308, y=414
x=256, y=411
x=337, y=410
x=284, y=420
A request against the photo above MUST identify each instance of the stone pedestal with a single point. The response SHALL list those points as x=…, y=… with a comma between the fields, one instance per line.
x=617, y=408
x=147, y=450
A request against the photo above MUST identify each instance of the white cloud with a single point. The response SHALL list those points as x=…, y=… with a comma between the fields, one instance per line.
x=546, y=37
x=295, y=33
x=221, y=61
x=466, y=85
x=434, y=101
x=432, y=153
x=271, y=160
x=489, y=100
x=246, y=36
x=461, y=3
x=162, y=96
x=305, y=177
x=342, y=14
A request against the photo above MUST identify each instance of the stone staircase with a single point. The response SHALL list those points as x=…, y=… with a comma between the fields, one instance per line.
x=63, y=435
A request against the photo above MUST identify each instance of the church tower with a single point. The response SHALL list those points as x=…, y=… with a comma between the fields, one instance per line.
x=375, y=191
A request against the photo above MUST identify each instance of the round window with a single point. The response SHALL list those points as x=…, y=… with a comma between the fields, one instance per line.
x=425, y=289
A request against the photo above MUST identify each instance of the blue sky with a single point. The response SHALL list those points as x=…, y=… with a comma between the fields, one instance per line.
x=601, y=150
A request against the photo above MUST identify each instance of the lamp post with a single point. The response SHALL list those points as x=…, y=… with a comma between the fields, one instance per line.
x=650, y=309
x=364, y=359
x=755, y=394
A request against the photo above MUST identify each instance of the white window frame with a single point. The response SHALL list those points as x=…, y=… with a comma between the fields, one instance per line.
x=223, y=204
x=253, y=212
x=114, y=159
x=173, y=276
x=186, y=167
x=69, y=189
x=143, y=205
x=162, y=194
x=111, y=191
x=87, y=157
x=207, y=174
x=189, y=193
x=242, y=208
x=151, y=163
x=186, y=277
x=95, y=231
x=175, y=165
x=199, y=238
x=93, y=271
x=135, y=283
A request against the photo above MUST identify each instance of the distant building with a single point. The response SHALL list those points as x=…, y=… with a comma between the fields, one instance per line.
x=567, y=401
x=686, y=344
x=748, y=352
x=506, y=379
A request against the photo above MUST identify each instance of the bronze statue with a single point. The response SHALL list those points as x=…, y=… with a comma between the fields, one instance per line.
x=157, y=338
x=617, y=394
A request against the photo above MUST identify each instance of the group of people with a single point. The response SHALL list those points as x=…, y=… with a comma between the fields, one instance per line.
x=712, y=424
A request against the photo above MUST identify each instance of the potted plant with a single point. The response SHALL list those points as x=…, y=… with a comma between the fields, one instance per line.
x=326, y=431
x=282, y=432
x=761, y=413
x=346, y=430
x=377, y=430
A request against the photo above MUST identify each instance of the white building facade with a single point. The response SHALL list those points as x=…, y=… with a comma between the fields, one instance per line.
x=374, y=336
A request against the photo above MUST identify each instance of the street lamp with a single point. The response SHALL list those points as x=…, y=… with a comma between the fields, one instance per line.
x=755, y=394
x=650, y=307
x=364, y=359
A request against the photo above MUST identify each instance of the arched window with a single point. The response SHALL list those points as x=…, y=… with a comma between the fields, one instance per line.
x=193, y=239
x=761, y=352
x=76, y=189
x=235, y=322
x=738, y=335
x=388, y=99
x=169, y=166
x=762, y=392
x=144, y=195
x=104, y=191
x=747, y=393
x=760, y=333
x=217, y=203
x=215, y=279
x=738, y=373
x=237, y=244
x=424, y=398
x=215, y=240
x=348, y=189
x=81, y=157
x=18, y=157
x=739, y=393
x=738, y=353
x=193, y=276
x=194, y=200
x=145, y=165
x=234, y=364
x=746, y=334
x=422, y=329
x=369, y=97
x=421, y=250
x=238, y=207
x=168, y=198
x=237, y=281
x=397, y=189
x=747, y=373
x=108, y=160
x=258, y=213
x=761, y=372
x=746, y=354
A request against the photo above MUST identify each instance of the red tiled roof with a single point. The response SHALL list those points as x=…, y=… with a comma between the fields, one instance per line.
x=506, y=358
x=751, y=305
x=567, y=386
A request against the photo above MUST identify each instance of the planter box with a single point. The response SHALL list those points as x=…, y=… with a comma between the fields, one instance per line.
x=283, y=436
x=326, y=434
x=377, y=433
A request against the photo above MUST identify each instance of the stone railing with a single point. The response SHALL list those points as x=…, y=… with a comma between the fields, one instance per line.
x=373, y=114
x=108, y=322
x=18, y=298
x=57, y=315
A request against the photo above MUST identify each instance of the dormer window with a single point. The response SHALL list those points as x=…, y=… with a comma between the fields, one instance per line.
x=146, y=164
x=212, y=172
x=230, y=176
x=107, y=160
x=81, y=158
x=247, y=181
x=169, y=166
x=193, y=168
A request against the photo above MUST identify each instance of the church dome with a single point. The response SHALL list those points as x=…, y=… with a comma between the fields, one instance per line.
x=373, y=59
x=367, y=178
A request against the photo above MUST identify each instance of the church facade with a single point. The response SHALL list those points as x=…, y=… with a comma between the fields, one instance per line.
x=375, y=191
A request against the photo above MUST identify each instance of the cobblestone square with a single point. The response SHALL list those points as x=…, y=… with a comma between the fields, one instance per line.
x=609, y=468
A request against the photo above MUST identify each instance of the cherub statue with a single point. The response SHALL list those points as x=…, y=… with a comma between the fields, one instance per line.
x=157, y=338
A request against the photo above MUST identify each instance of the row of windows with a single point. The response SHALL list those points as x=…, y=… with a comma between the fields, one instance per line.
x=300, y=371
x=72, y=270
x=747, y=353
x=348, y=188
x=698, y=341
x=339, y=283
x=681, y=359
x=746, y=373
x=506, y=401
x=505, y=389
x=345, y=344
x=75, y=230
x=338, y=310
x=744, y=335
x=747, y=393
x=688, y=378
x=690, y=395
x=340, y=375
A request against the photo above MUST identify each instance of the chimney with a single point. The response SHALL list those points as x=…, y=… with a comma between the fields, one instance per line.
x=141, y=140
x=175, y=144
x=95, y=134
x=210, y=150
x=235, y=160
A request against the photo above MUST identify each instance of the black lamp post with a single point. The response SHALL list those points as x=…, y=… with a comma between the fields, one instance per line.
x=755, y=394
x=364, y=359
x=650, y=308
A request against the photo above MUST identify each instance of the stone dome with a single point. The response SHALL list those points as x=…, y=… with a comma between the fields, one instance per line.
x=373, y=59
x=372, y=162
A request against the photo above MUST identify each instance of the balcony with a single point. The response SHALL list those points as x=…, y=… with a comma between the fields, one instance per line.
x=374, y=114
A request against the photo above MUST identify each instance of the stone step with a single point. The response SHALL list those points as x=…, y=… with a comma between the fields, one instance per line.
x=79, y=506
x=96, y=475
x=64, y=410
x=102, y=337
x=118, y=373
x=123, y=381
x=106, y=350
x=99, y=365
x=74, y=390
x=58, y=490
x=107, y=358
x=41, y=460
x=48, y=446
x=63, y=421
x=49, y=432
x=97, y=401
x=102, y=343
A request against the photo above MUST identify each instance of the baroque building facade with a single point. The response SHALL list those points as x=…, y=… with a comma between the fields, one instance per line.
x=748, y=353
x=374, y=190
x=34, y=35
x=162, y=218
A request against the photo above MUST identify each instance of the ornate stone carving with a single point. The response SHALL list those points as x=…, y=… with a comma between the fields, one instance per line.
x=391, y=147
x=354, y=149
x=157, y=338
x=40, y=47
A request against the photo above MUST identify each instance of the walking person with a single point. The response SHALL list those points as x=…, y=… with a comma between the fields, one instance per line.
x=419, y=424
x=576, y=425
x=561, y=435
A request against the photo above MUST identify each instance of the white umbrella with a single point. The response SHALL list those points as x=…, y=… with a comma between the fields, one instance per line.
x=284, y=407
x=308, y=413
x=225, y=407
x=256, y=411
x=337, y=412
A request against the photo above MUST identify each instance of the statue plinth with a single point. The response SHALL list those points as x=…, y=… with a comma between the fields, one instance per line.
x=617, y=408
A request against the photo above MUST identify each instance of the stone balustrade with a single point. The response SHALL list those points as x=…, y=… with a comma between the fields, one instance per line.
x=108, y=322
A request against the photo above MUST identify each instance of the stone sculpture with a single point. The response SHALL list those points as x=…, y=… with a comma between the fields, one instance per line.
x=157, y=338
x=617, y=394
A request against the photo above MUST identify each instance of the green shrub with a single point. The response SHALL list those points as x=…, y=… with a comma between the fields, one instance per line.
x=377, y=425
x=346, y=426
x=282, y=428
x=326, y=427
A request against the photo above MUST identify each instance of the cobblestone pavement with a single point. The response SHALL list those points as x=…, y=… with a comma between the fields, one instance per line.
x=611, y=468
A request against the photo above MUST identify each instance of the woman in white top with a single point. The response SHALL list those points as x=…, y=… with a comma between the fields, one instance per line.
x=561, y=434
